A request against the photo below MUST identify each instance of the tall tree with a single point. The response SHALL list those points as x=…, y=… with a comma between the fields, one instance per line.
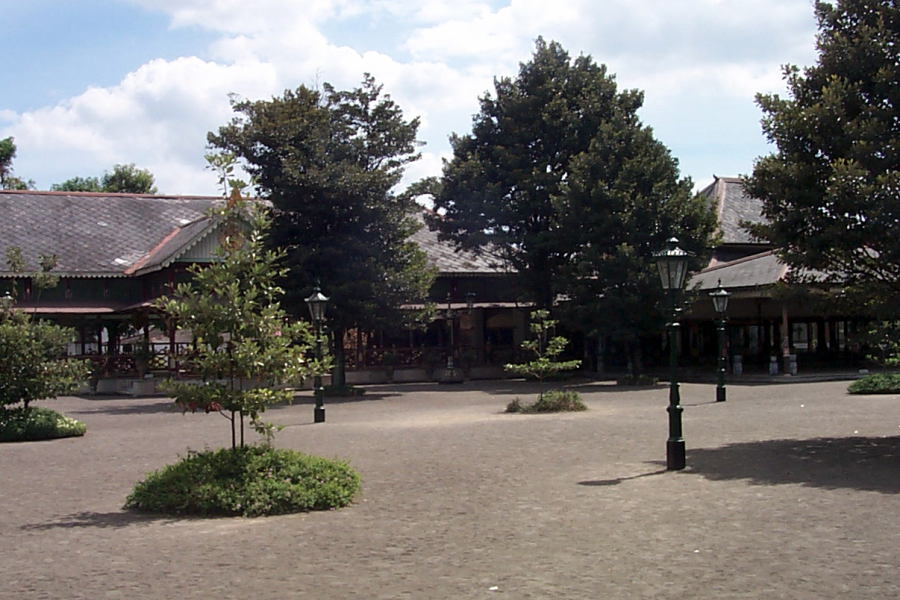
x=561, y=179
x=126, y=179
x=8, y=181
x=831, y=192
x=328, y=161
x=622, y=199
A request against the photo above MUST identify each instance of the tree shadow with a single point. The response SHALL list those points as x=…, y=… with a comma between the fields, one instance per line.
x=109, y=520
x=613, y=387
x=863, y=463
x=163, y=406
x=618, y=480
x=308, y=398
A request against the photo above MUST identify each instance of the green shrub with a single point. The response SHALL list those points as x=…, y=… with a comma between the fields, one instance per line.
x=550, y=401
x=250, y=481
x=877, y=383
x=637, y=380
x=37, y=423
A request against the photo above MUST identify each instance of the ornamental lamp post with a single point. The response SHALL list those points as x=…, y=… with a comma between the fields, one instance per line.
x=720, y=304
x=672, y=265
x=316, y=303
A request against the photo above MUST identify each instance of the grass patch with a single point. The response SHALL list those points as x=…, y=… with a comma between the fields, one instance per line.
x=551, y=401
x=876, y=383
x=251, y=481
x=37, y=423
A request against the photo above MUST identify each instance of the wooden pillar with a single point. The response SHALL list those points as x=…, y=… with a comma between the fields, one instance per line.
x=113, y=329
x=785, y=331
x=172, y=329
x=101, y=349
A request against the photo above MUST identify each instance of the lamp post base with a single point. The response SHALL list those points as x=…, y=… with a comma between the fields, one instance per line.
x=720, y=394
x=319, y=414
x=675, y=455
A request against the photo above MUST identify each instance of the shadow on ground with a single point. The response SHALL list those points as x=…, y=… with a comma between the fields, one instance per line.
x=110, y=520
x=309, y=398
x=863, y=463
x=163, y=406
x=618, y=480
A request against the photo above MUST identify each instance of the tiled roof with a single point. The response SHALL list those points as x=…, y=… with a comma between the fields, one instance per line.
x=103, y=235
x=114, y=235
x=450, y=261
x=733, y=206
x=759, y=270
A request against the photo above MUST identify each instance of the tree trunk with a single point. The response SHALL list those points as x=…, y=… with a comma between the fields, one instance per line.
x=635, y=357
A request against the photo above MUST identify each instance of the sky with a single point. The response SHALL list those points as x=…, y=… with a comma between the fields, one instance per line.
x=89, y=84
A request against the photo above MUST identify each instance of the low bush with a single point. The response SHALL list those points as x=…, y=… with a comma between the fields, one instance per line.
x=550, y=401
x=877, y=383
x=250, y=481
x=37, y=423
x=637, y=380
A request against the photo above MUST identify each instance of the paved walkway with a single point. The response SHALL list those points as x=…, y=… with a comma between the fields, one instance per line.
x=790, y=492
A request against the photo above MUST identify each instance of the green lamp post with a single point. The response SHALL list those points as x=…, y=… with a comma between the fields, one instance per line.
x=720, y=304
x=316, y=303
x=672, y=264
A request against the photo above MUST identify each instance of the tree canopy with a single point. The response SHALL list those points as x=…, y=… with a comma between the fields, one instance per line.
x=328, y=160
x=831, y=192
x=126, y=179
x=560, y=178
x=8, y=181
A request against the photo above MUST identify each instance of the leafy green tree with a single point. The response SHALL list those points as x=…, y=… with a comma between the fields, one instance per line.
x=7, y=153
x=32, y=351
x=830, y=192
x=328, y=161
x=8, y=181
x=546, y=349
x=562, y=180
x=126, y=179
x=245, y=347
x=78, y=184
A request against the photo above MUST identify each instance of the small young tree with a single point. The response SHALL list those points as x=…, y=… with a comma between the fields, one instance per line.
x=545, y=349
x=32, y=351
x=245, y=345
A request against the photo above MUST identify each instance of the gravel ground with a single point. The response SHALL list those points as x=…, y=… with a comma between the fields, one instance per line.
x=791, y=491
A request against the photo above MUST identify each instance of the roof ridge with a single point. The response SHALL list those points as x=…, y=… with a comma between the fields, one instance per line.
x=108, y=194
x=736, y=261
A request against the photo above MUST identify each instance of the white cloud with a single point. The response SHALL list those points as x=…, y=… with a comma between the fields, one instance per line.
x=690, y=58
x=158, y=115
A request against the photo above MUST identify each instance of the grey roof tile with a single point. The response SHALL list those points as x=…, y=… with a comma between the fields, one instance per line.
x=449, y=260
x=108, y=235
x=758, y=270
x=93, y=234
x=733, y=207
